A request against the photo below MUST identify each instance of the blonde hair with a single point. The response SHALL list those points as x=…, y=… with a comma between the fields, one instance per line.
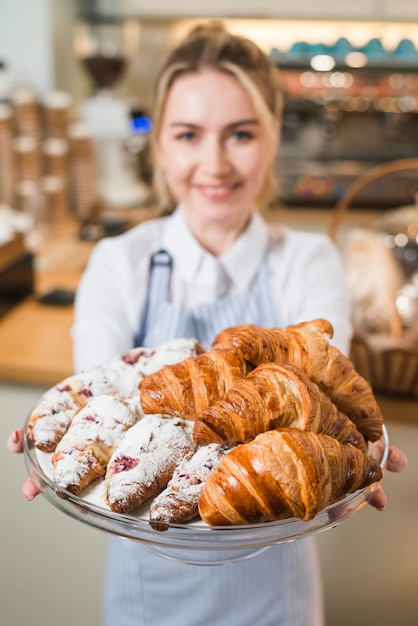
x=211, y=46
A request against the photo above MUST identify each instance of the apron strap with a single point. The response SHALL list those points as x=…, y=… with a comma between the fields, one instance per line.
x=161, y=264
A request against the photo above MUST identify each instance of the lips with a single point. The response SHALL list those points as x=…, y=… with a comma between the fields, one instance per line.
x=217, y=192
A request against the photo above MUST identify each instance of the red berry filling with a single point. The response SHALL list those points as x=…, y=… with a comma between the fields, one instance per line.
x=123, y=464
x=131, y=358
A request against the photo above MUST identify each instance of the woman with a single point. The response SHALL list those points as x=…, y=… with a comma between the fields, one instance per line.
x=213, y=263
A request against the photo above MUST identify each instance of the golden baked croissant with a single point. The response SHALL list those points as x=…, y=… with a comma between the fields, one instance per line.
x=306, y=346
x=281, y=474
x=273, y=396
x=189, y=387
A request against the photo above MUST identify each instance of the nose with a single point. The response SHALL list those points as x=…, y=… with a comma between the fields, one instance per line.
x=214, y=158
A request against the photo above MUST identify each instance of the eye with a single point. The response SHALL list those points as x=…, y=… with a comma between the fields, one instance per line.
x=242, y=135
x=188, y=135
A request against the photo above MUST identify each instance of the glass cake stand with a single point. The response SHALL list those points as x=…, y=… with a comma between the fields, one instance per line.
x=195, y=542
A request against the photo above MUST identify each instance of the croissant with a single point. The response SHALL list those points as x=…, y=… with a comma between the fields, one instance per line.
x=273, y=396
x=84, y=451
x=284, y=473
x=191, y=386
x=177, y=503
x=306, y=346
x=145, y=460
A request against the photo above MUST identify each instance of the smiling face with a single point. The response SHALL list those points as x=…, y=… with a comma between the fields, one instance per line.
x=214, y=149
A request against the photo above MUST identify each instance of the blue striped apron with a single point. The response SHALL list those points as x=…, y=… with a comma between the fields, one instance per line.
x=279, y=587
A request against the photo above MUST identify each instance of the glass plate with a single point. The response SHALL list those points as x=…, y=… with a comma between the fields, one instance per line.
x=195, y=542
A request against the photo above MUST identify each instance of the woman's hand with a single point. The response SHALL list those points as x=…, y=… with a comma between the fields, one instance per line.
x=15, y=444
x=397, y=462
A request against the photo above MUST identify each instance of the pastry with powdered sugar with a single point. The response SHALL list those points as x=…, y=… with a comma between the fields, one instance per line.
x=96, y=430
x=178, y=503
x=53, y=414
x=132, y=366
x=145, y=460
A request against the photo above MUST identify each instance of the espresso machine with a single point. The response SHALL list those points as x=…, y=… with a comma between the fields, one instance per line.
x=119, y=128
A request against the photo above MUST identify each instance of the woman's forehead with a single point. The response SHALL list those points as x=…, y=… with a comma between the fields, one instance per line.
x=193, y=96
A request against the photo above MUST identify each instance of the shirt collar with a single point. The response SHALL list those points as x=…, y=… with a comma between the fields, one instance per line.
x=241, y=261
x=179, y=241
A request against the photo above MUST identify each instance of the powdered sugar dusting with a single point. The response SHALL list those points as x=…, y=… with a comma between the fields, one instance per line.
x=90, y=440
x=157, y=443
x=104, y=418
x=179, y=501
x=53, y=414
x=57, y=407
x=170, y=352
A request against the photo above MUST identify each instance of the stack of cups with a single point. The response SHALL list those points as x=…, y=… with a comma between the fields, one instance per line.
x=26, y=144
x=26, y=113
x=83, y=173
x=55, y=183
x=7, y=167
x=27, y=158
x=56, y=114
x=56, y=160
x=55, y=198
x=29, y=200
x=27, y=197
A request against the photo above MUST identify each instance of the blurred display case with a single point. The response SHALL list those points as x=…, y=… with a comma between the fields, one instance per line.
x=346, y=110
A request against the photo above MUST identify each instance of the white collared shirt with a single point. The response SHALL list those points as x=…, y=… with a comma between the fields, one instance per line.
x=198, y=277
x=305, y=271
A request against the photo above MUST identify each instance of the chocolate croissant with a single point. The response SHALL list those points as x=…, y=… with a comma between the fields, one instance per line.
x=273, y=396
x=307, y=347
x=284, y=473
x=191, y=386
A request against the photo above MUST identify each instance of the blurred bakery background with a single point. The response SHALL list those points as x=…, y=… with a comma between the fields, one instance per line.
x=76, y=81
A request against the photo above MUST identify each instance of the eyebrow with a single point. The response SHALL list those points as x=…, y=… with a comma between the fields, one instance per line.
x=250, y=121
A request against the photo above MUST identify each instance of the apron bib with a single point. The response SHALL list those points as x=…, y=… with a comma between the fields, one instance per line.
x=164, y=320
x=280, y=586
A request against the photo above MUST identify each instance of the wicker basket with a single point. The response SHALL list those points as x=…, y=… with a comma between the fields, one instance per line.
x=389, y=364
x=390, y=369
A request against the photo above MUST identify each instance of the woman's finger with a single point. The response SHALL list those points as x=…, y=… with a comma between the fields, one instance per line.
x=30, y=490
x=15, y=441
x=378, y=500
x=397, y=460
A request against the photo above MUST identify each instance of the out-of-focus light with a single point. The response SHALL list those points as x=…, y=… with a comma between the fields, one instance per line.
x=401, y=240
x=389, y=240
x=357, y=103
x=141, y=124
x=397, y=81
x=356, y=59
x=407, y=103
x=307, y=79
x=337, y=79
x=322, y=62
